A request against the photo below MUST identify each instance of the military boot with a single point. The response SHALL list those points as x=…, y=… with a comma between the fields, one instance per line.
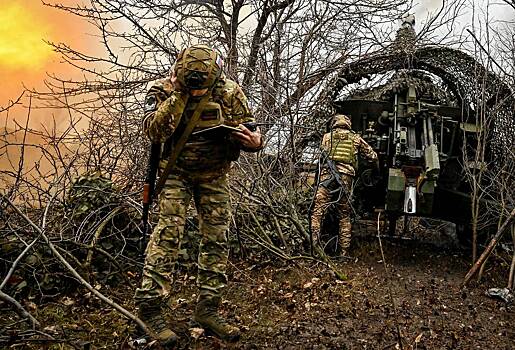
x=206, y=314
x=149, y=311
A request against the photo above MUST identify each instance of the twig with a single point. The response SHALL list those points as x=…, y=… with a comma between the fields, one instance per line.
x=512, y=265
x=15, y=263
x=271, y=248
x=488, y=54
x=264, y=235
x=280, y=232
x=390, y=293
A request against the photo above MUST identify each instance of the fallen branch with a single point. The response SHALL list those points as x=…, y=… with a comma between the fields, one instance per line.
x=493, y=242
x=296, y=222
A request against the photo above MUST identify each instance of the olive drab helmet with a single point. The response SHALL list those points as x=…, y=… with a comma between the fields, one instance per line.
x=198, y=67
x=341, y=121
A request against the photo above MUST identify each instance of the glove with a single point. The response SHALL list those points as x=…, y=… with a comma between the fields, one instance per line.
x=167, y=116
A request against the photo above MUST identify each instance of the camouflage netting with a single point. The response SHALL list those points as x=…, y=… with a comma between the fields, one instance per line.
x=103, y=225
x=97, y=213
x=425, y=87
x=96, y=230
x=90, y=195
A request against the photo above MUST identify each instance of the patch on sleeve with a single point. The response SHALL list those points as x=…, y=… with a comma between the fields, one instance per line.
x=150, y=103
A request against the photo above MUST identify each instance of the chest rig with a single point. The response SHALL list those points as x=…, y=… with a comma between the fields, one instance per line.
x=212, y=114
x=212, y=149
x=342, y=148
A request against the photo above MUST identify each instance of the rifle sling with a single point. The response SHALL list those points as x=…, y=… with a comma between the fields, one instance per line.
x=179, y=145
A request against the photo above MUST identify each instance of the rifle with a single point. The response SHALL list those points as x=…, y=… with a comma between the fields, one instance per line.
x=148, y=192
x=340, y=189
x=335, y=176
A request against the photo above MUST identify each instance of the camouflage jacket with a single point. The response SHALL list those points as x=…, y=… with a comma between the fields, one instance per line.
x=360, y=147
x=204, y=153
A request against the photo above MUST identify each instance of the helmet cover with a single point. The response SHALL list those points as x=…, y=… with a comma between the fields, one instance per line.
x=198, y=67
x=341, y=121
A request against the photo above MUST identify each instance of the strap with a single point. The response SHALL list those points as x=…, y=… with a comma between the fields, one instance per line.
x=179, y=145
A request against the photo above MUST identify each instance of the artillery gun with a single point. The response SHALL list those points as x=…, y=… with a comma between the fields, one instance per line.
x=419, y=136
x=422, y=123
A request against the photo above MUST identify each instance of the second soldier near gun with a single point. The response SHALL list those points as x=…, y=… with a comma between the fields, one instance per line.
x=200, y=174
x=341, y=146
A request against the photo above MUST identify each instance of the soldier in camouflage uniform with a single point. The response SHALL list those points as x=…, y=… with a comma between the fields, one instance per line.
x=342, y=146
x=200, y=173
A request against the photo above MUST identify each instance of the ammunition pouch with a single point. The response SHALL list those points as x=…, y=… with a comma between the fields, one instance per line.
x=210, y=116
x=208, y=147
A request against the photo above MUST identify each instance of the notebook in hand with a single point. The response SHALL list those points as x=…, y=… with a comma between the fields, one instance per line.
x=218, y=128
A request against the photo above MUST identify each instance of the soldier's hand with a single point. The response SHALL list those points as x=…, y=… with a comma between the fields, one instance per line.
x=173, y=79
x=183, y=89
x=247, y=138
x=176, y=84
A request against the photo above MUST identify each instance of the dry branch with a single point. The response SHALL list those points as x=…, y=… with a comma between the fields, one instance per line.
x=493, y=242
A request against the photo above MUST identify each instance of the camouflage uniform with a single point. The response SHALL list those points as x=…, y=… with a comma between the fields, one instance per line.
x=340, y=141
x=201, y=174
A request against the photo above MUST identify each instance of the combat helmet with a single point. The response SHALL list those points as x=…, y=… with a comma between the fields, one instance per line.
x=341, y=121
x=198, y=67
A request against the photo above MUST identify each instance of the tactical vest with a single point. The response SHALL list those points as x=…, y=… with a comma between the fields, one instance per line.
x=342, y=149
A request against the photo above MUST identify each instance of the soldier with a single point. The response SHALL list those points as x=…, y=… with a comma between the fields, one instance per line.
x=200, y=173
x=341, y=145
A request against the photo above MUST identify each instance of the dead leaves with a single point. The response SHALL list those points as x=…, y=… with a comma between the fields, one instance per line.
x=196, y=332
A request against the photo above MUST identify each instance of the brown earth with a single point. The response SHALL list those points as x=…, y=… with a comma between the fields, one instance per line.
x=300, y=305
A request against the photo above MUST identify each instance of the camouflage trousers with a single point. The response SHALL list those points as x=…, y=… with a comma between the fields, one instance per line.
x=323, y=200
x=212, y=201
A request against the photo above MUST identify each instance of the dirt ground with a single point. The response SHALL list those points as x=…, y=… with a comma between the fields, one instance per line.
x=300, y=305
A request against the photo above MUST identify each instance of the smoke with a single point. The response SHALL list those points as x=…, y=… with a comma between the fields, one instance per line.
x=26, y=60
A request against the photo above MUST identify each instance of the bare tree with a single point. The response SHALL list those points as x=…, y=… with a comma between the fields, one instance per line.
x=288, y=56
